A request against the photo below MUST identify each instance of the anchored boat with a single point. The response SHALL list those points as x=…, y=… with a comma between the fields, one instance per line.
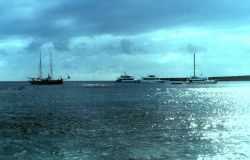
x=125, y=78
x=151, y=79
x=48, y=80
x=199, y=80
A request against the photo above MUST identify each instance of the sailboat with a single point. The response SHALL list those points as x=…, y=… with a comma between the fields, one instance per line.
x=48, y=80
x=199, y=80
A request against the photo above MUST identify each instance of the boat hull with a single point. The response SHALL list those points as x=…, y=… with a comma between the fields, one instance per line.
x=46, y=82
x=127, y=81
x=203, y=82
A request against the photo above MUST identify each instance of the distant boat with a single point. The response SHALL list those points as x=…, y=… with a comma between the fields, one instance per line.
x=125, y=78
x=48, y=80
x=199, y=80
x=151, y=79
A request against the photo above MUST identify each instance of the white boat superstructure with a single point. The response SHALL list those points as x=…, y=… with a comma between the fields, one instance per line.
x=151, y=79
x=199, y=80
x=125, y=78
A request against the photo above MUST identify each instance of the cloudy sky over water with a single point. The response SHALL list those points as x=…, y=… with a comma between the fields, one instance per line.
x=99, y=40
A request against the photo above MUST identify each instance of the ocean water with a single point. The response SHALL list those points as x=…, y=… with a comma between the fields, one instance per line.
x=109, y=121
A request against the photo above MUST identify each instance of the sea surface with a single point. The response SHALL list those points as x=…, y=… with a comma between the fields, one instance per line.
x=109, y=121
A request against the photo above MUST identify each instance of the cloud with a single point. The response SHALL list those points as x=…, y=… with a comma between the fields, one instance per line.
x=190, y=48
x=3, y=53
x=66, y=19
x=34, y=46
x=126, y=46
x=61, y=45
x=123, y=46
x=109, y=37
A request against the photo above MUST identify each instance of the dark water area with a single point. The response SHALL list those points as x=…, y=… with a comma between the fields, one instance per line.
x=105, y=120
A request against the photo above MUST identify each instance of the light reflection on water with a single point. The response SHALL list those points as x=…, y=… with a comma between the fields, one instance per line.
x=109, y=121
x=228, y=127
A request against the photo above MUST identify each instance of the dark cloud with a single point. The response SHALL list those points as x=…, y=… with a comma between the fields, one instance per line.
x=191, y=48
x=34, y=46
x=61, y=45
x=3, y=53
x=70, y=66
x=97, y=35
x=124, y=46
x=129, y=47
x=66, y=19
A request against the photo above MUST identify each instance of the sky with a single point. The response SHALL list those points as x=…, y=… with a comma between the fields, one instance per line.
x=100, y=40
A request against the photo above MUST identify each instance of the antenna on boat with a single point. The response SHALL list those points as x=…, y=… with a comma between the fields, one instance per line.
x=51, y=66
x=194, y=64
x=40, y=66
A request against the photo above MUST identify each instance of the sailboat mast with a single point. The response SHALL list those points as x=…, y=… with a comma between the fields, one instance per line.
x=51, y=66
x=40, y=66
x=194, y=65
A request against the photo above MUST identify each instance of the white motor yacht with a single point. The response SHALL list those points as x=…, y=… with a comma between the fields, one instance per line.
x=151, y=79
x=125, y=78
